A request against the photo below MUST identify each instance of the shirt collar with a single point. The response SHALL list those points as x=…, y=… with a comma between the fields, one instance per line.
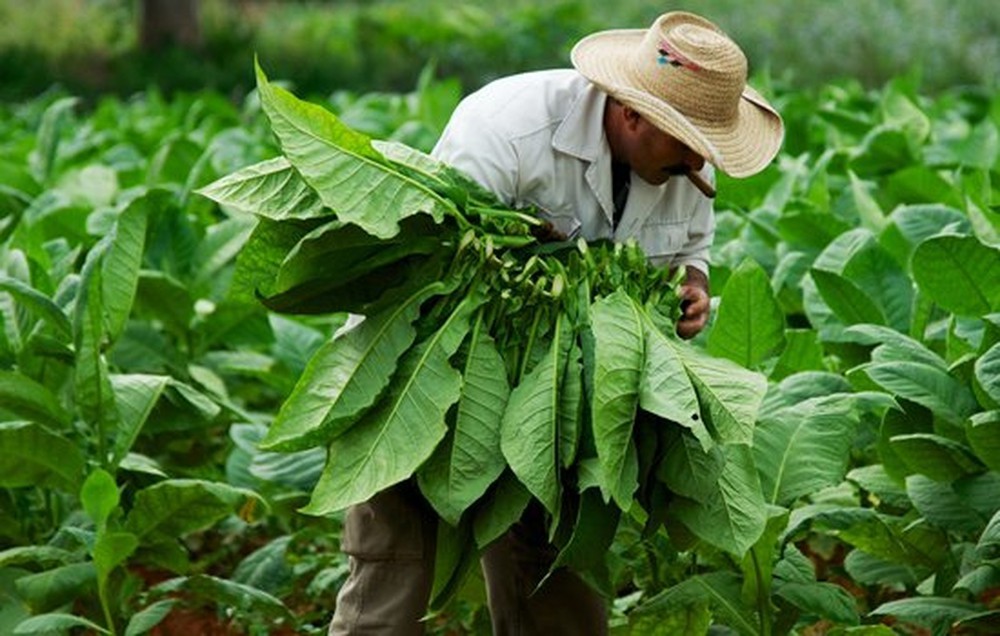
x=581, y=133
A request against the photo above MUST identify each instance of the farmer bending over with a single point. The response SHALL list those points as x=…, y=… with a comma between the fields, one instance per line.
x=623, y=146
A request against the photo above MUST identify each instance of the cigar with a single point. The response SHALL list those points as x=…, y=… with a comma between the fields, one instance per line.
x=700, y=183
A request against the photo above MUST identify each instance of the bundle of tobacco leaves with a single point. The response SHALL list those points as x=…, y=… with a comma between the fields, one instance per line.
x=492, y=366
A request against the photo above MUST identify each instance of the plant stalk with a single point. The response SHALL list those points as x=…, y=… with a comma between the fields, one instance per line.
x=763, y=599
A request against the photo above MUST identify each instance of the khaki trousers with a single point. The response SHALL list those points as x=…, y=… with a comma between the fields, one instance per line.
x=390, y=540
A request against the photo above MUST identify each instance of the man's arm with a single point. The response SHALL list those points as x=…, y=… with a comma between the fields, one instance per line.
x=695, y=302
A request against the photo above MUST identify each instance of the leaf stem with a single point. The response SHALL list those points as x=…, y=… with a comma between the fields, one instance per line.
x=526, y=350
x=531, y=220
x=763, y=598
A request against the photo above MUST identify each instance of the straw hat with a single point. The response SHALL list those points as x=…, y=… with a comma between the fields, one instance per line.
x=688, y=79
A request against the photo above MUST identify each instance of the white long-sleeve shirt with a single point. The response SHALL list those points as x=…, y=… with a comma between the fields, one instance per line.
x=538, y=139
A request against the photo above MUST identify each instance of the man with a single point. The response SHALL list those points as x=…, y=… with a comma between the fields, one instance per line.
x=623, y=146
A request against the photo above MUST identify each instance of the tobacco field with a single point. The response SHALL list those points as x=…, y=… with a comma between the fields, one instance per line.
x=175, y=279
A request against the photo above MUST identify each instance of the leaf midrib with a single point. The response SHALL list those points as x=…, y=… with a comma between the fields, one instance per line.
x=293, y=123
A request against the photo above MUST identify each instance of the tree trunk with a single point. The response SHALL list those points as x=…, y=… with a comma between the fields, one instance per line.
x=164, y=23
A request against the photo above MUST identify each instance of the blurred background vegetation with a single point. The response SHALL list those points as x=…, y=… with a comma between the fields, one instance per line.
x=91, y=47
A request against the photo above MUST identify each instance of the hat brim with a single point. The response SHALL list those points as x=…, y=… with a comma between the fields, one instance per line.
x=740, y=147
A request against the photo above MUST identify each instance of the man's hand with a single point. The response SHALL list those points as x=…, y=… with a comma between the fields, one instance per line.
x=695, y=303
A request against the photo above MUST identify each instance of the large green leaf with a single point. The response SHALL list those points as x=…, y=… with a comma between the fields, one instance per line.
x=926, y=385
x=503, y=505
x=899, y=108
x=983, y=433
x=43, y=157
x=529, y=430
x=454, y=555
x=689, y=470
x=825, y=600
x=146, y=619
x=41, y=555
x=937, y=613
x=593, y=533
x=270, y=188
x=989, y=540
x=919, y=183
x=960, y=273
x=695, y=618
x=348, y=174
x=392, y=440
x=267, y=568
x=804, y=448
x=34, y=456
x=750, y=326
x=38, y=303
x=979, y=582
x=884, y=281
x=911, y=224
x=173, y=508
x=346, y=376
x=802, y=352
x=120, y=277
x=866, y=569
x=735, y=515
x=978, y=493
x=618, y=365
x=871, y=214
x=730, y=396
x=800, y=387
x=135, y=395
x=665, y=388
x=23, y=397
x=893, y=539
x=470, y=459
x=721, y=589
x=45, y=624
x=571, y=397
x=937, y=457
x=941, y=505
x=758, y=564
x=876, y=481
x=92, y=386
x=892, y=346
x=827, y=324
x=99, y=496
x=808, y=227
x=862, y=283
x=50, y=589
x=908, y=419
x=218, y=250
x=885, y=148
x=112, y=549
x=221, y=592
x=336, y=253
x=260, y=260
x=987, y=371
x=847, y=301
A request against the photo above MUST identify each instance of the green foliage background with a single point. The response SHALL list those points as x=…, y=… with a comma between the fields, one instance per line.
x=89, y=46
x=859, y=273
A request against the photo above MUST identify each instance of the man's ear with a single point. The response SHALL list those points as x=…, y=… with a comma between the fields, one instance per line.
x=630, y=117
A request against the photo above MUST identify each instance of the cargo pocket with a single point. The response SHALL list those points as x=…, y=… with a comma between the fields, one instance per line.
x=395, y=524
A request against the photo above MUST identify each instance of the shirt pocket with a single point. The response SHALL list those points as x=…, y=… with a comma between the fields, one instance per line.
x=663, y=239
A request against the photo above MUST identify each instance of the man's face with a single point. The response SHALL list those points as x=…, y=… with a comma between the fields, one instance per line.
x=656, y=156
